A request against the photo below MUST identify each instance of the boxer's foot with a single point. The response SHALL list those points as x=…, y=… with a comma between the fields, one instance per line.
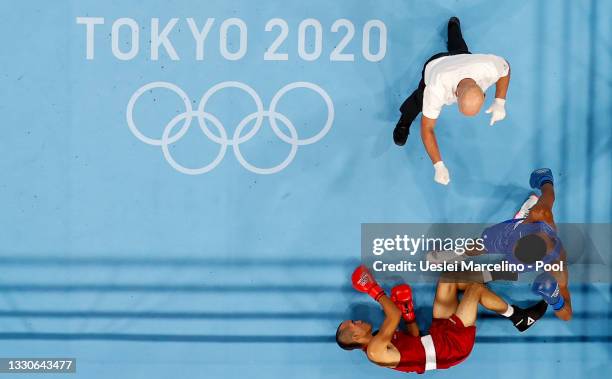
x=523, y=319
x=523, y=212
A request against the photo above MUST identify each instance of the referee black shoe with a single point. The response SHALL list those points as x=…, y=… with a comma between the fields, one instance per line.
x=454, y=20
x=400, y=133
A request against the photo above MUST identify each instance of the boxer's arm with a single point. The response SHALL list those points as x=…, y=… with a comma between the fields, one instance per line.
x=562, y=277
x=566, y=312
x=556, y=294
x=429, y=138
x=501, y=87
x=378, y=348
x=548, y=195
x=401, y=295
x=413, y=329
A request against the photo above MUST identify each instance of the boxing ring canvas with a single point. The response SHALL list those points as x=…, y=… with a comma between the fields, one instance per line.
x=183, y=182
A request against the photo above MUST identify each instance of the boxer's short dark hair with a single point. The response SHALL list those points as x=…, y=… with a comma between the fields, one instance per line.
x=530, y=248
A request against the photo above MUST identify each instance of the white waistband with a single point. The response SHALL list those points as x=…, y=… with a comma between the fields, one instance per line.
x=430, y=352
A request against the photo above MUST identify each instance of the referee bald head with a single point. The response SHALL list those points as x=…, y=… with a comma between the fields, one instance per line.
x=470, y=97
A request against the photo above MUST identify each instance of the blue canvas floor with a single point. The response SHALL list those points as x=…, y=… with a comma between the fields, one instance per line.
x=109, y=255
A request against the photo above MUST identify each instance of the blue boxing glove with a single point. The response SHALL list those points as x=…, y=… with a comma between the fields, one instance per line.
x=546, y=286
x=539, y=177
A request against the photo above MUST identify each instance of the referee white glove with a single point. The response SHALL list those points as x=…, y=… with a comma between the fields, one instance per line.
x=441, y=176
x=498, y=109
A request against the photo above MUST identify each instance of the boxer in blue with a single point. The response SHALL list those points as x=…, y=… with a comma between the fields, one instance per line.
x=532, y=239
x=527, y=239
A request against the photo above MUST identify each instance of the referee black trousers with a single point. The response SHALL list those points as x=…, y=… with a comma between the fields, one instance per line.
x=413, y=105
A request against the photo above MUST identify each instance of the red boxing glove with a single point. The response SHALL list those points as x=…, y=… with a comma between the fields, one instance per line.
x=401, y=295
x=364, y=282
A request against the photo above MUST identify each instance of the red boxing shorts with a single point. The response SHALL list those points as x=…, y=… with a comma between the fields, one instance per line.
x=452, y=340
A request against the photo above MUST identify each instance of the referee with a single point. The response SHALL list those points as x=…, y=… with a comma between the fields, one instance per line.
x=456, y=76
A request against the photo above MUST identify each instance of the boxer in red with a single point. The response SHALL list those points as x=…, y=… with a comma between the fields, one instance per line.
x=451, y=335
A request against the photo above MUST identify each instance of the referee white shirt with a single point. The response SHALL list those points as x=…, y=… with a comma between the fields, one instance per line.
x=442, y=76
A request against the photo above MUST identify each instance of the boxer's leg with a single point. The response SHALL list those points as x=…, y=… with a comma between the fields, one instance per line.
x=467, y=310
x=474, y=294
x=452, y=282
x=522, y=319
x=456, y=43
x=445, y=302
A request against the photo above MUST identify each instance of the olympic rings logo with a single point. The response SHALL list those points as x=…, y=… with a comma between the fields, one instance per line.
x=169, y=136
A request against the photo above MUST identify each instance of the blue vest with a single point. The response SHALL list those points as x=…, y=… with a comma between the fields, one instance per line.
x=501, y=239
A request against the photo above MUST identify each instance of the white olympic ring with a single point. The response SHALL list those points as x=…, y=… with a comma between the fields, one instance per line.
x=221, y=138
